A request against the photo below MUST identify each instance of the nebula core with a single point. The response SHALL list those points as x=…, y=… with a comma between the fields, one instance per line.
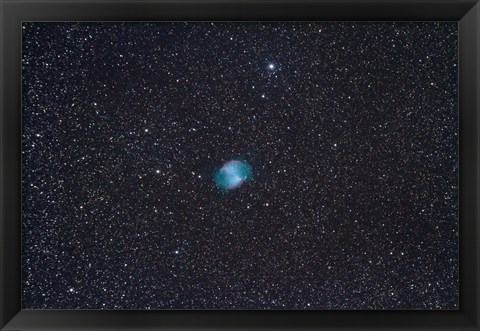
x=233, y=174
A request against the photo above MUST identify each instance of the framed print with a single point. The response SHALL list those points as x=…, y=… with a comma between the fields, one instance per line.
x=240, y=165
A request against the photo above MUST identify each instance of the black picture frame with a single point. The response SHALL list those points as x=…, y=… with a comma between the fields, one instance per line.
x=14, y=12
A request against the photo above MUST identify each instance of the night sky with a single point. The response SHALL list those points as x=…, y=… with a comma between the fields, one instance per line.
x=240, y=165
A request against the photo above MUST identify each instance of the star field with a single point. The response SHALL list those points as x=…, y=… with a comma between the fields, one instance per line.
x=350, y=130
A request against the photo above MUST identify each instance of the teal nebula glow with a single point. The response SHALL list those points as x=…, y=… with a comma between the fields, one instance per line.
x=233, y=174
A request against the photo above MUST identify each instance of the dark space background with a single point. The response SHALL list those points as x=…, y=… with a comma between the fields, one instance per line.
x=351, y=136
